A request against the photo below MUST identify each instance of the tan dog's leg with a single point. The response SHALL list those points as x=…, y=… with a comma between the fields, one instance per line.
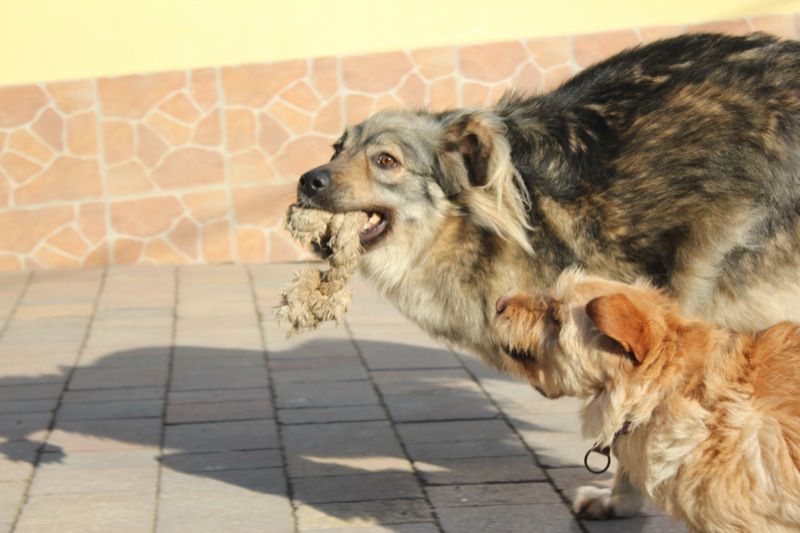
x=601, y=503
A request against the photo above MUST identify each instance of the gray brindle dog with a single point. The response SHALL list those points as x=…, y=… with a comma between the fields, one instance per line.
x=678, y=161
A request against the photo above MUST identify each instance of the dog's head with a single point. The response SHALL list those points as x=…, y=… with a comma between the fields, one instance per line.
x=409, y=170
x=585, y=335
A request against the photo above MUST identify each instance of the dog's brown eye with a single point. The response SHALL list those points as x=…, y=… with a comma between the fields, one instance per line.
x=384, y=160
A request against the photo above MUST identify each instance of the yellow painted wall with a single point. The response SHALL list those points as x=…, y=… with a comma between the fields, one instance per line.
x=43, y=40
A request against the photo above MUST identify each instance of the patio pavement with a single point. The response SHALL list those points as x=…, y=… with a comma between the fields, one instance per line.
x=167, y=399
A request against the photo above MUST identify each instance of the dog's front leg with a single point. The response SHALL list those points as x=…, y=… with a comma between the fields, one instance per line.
x=603, y=503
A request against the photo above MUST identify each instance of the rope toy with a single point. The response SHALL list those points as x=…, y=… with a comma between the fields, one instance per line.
x=316, y=296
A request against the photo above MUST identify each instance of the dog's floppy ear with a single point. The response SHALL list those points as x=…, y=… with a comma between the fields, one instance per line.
x=618, y=318
x=475, y=167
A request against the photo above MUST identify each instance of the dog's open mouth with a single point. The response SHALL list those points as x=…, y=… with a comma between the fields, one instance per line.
x=377, y=226
x=517, y=354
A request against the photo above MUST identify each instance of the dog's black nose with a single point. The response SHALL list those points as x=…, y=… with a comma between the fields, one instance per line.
x=315, y=181
x=501, y=304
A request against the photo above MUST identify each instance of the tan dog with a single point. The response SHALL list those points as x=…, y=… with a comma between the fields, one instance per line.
x=704, y=420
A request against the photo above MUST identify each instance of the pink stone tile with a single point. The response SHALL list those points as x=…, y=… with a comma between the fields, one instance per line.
x=435, y=62
x=251, y=244
x=127, y=251
x=282, y=247
x=184, y=236
x=134, y=96
x=173, y=132
x=160, y=252
x=301, y=155
x=9, y=263
x=151, y=148
x=474, y=94
x=128, y=178
x=46, y=257
x=241, y=126
x=249, y=166
x=144, y=217
x=18, y=105
x=529, y=80
x=203, y=88
x=82, y=134
x=412, y=92
x=388, y=101
x=97, y=257
x=732, y=27
x=189, y=167
x=272, y=134
x=549, y=51
x=325, y=76
x=374, y=73
x=556, y=76
x=50, y=128
x=23, y=141
x=293, y=120
x=72, y=96
x=590, y=49
x=217, y=242
x=91, y=221
x=22, y=229
x=68, y=178
x=69, y=242
x=660, y=32
x=781, y=25
x=181, y=108
x=118, y=141
x=329, y=119
x=256, y=85
x=301, y=95
x=206, y=206
x=18, y=168
x=208, y=131
x=491, y=62
x=357, y=108
x=263, y=206
x=443, y=94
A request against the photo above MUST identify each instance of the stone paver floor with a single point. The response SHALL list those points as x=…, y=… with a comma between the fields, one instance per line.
x=167, y=399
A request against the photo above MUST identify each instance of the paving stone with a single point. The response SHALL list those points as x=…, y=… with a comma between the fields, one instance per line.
x=99, y=513
x=218, y=411
x=343, y=448
x=222, y=483
x=30, y=391
x=439, y=405
x=213, y=461
x=543, y=518
x=356, y=488
x=247, y=512
x=386, y=356
x=421, y=527
x=338, y=393
x=19, y=426
x=97, y=435
x=28, y=406
x=119, y=357
x=461, y=430
x=111, y=410
x=492, y=494
x=11, y=496
x=189, y=357
x=434, y=451
x=317, y=369
x=327, y=341
x=113, y=395
x=218, y=395
x=221, y=436
x=360, y=514
x=218, y=378
x=331, y=414
x=96, y=473
x=640, y=524
x=109, y=378
x=481, y=470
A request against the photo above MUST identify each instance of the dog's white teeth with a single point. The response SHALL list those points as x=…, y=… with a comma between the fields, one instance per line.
x=373, y=221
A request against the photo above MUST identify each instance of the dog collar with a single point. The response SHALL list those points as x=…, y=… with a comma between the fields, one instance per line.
x=604, y=450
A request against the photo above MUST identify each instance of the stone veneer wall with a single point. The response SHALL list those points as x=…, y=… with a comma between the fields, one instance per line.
x=198, y=166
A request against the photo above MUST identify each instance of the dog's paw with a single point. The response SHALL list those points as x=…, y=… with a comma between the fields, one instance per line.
x=602, y=504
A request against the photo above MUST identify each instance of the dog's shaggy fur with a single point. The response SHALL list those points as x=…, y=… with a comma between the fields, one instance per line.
x=678, y=161
x=712, y=417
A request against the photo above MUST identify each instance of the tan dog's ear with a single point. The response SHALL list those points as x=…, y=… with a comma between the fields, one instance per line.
x=617, y=317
